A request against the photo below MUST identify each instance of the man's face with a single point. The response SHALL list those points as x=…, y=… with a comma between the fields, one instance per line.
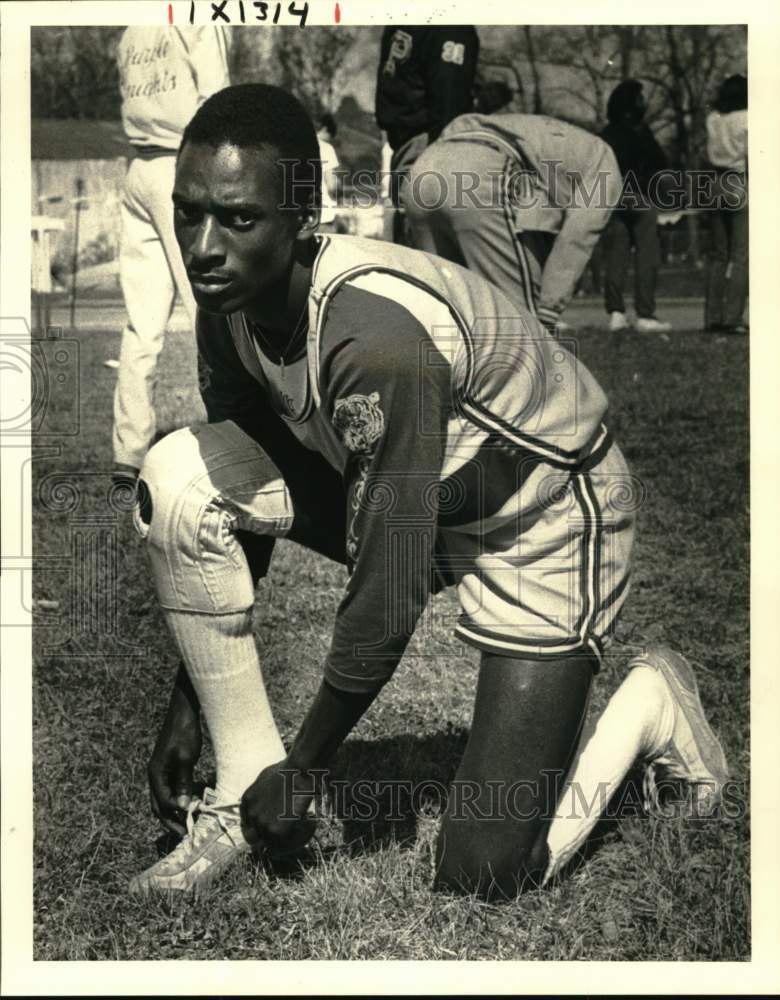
x=236, y=242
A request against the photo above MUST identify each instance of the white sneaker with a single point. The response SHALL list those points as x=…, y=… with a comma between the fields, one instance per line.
x=212, y=842
x=617, y=321
x=649, y=324
x=693, y=753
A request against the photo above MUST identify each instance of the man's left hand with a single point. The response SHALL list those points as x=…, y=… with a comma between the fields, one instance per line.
x=275, y=809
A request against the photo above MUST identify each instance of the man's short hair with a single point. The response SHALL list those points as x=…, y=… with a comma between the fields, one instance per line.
x=260, y=116
x=623, y=100
x=492, y=95
x=732, y=95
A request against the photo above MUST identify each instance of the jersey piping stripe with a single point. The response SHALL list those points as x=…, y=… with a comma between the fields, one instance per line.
x=345, y=276
x=324, y=244
x=475, y=411
x=516, y=242
x=598, y=536
x=615, y=594
x=589, y=589
x=495, y=424
x=590, y=538
x=534, y=650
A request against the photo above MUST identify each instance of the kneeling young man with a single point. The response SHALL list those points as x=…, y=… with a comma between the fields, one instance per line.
x=398, y=414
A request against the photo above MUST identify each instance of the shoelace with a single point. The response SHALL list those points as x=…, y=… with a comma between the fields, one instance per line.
x=222, y=814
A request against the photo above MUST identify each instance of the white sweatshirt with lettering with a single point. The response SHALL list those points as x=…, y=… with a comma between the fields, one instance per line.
x=165, y=74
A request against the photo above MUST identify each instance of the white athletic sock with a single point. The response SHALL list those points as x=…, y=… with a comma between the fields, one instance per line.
x=221, y=658
x=637, y=722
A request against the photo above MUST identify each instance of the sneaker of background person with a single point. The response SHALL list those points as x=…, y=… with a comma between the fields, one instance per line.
x=741, y=329
x=617, y=321
x=693, y=754
x=212, y=842
x=649, y=324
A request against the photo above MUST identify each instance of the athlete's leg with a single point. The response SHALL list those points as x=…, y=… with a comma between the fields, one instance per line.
x=636, y=722
x=148, y=291
x=536, y=247
x=527, y=718
x=212, y=504
x=503, y=830
x=655, y=716
x=198, y=488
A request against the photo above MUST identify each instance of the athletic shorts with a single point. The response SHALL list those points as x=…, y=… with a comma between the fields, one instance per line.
x=550, y=579
x=545, y=577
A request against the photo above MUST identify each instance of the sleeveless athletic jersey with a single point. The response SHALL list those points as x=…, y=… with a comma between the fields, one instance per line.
x=447, y=411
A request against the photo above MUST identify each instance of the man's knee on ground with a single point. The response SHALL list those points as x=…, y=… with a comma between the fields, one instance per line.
x=494, y=864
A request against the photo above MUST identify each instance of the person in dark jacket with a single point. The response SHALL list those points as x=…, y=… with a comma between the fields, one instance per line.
x=635, y=223
x=425, y=79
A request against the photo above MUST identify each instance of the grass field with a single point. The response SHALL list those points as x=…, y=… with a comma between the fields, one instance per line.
x=650, y=890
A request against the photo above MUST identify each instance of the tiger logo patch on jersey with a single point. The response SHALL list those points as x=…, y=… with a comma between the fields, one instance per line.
x=359, y=422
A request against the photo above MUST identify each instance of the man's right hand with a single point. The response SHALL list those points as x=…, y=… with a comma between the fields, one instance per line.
x=175, y=755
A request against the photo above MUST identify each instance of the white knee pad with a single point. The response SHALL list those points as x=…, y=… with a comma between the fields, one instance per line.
x=199, y=485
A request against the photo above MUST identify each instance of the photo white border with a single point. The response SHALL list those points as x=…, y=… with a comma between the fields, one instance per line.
x=20, y=975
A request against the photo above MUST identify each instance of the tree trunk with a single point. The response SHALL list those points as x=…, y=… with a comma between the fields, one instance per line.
x=626, y=51
x=536, y=107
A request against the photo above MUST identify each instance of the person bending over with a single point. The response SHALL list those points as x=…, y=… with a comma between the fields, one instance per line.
x=521, y=200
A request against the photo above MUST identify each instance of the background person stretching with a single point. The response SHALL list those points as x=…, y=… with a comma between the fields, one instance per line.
x=521, y=200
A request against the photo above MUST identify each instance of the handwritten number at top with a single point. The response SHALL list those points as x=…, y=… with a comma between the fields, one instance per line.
x=226, y=12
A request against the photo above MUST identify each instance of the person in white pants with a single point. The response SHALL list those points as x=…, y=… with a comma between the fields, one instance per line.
x=165, y=75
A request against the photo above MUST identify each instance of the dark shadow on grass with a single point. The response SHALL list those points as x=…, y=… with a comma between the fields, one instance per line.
x=379, y=788
x=377, y=791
